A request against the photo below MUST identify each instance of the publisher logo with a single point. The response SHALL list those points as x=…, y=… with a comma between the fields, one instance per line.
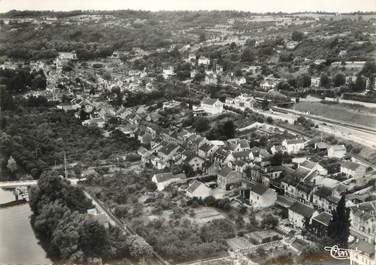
x=339, y=253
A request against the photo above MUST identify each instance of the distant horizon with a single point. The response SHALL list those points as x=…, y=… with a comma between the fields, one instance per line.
x=253, y=6
x=198, y=10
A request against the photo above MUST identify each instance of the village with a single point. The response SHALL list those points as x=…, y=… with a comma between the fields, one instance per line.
x=221, y=144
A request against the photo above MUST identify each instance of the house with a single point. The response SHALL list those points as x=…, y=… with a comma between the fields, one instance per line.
x=221, y=156
x=212, y=106
x=144, y=153
x=337, y=151
x=203, y=61
x=199, y=190
x=363, y=220
x=261, y=237
x=207, y=150
x=128, y=130
x=321, y=146
x=261, y=196
x=313, y=166
x=293, y=146
x=145, y=138
x=315, y=82
x=300, y=214
x=195, y=162
x=228, y=177
x=362, y=253
x=101, y=218
x=211, y=78
x=353, y=169
x=270, y=83
x=168, y=72
x=167, y=152
x=320, y=224
x=291, y=45
x=162, y=180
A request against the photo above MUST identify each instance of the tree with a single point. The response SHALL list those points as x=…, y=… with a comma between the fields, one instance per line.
x=265, y=104
x=360, y=83
x=297, y=36
x=138, y=247
x=201, y=124
x=247, y=56
x=93, y=238
x=339, y=226
x=277, y=159
x=6, y=99
x=339, y=80
x=325, y=81
x=269, y=222
x=228, y=129
x=304, y=81
x=202, y=37
x=369, y=69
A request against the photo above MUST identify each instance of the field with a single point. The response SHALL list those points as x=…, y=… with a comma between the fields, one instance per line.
x=341, y=112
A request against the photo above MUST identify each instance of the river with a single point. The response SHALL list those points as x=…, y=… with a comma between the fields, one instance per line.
x=18, y=244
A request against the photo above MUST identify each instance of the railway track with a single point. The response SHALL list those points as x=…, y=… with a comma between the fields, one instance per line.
x=326, y=120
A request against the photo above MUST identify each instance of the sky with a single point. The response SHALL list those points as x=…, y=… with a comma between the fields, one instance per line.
x=155, y=5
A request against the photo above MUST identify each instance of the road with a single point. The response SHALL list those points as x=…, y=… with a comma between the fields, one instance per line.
x=114, y=221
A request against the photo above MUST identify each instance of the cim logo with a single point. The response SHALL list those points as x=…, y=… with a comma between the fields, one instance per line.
x=339, y=253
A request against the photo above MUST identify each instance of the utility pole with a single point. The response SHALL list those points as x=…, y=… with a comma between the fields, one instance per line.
x=65, y=165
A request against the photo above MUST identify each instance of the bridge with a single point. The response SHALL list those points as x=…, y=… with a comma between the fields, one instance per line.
x=28, y=183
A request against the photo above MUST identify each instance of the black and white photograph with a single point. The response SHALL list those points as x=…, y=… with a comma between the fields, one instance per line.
x=188, y=132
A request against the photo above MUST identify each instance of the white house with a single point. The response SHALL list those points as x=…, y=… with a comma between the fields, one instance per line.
x=162, y=180
x=293, y=146
x=313, y=166
x=203, y=60
x=261, y=196
x=353, y=169
x=212, y=106
x=362, y=253
x=337, y=151
x=227, y=177
x=299, y=214
x=199, y=190
x=315, y=81
x=196, y=162
x=168, y=72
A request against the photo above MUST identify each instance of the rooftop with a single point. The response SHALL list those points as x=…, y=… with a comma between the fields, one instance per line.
x=302, y=209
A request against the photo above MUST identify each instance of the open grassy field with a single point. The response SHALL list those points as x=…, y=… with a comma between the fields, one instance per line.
x=340, y=112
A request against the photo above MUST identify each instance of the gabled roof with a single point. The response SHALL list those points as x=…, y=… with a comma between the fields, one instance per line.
x=302, y=209
x=162, y=177
x=225, y=171
x=338, y=148
x=294, y=141
x=323, y=218
x=241, y=154
x=167, y=149
x=259, y=189
x=284, y=201
x=244, y=143
x=206, y=147
x=350, y=165
x=194, y=186
x=209, y=101
x=308, y=164
x=323, y=192
x=365, y=248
